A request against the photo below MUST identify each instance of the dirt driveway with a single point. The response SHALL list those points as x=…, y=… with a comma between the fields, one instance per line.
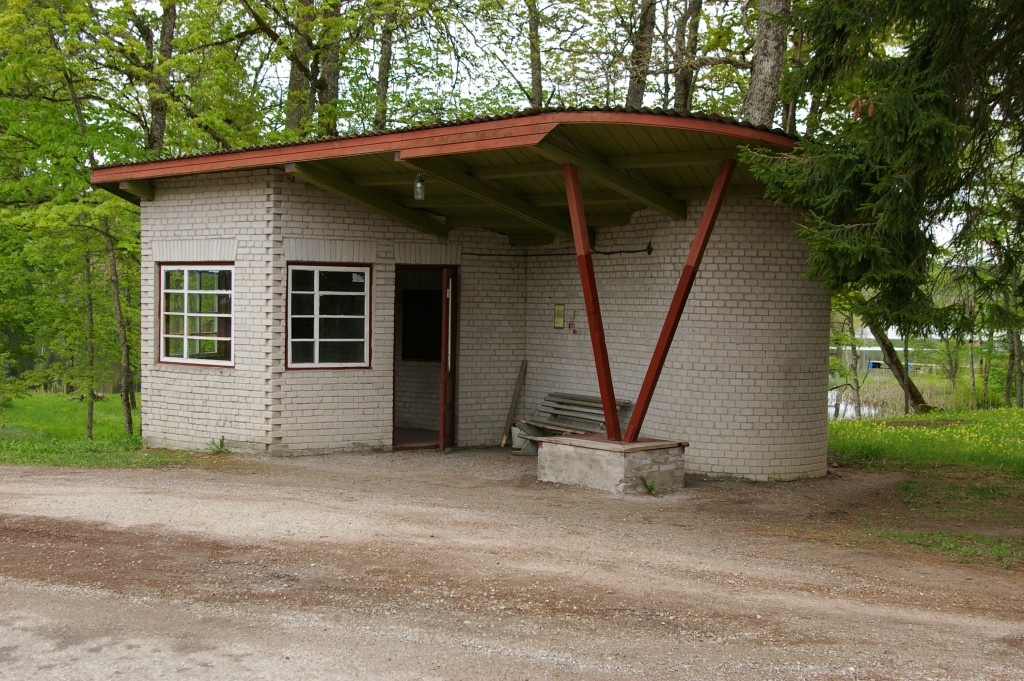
x=462, y=566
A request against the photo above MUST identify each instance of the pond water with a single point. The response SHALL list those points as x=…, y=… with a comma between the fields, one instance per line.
x=847, y=409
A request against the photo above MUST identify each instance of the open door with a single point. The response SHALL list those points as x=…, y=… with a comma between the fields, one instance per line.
x=425, y=347
x=446, y=427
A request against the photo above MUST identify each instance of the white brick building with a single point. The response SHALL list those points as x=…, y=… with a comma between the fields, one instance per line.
x=292, y=296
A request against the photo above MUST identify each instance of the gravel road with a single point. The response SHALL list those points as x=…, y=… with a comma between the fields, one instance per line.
x=462, y=566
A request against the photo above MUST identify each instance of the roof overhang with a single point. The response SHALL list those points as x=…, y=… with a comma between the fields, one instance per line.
x=502, y=174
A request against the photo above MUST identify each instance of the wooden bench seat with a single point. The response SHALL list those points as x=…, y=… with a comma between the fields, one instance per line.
x=568, y=414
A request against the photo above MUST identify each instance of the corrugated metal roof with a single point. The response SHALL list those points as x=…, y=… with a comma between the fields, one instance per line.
x=525, y=113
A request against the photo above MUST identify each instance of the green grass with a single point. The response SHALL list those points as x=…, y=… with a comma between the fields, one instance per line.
x=43, y=429
x=991, y=439
x=964, y=488
x=1007, y=551
x=882, y=395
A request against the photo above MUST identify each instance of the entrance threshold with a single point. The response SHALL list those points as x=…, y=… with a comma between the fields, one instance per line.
x=414, y=438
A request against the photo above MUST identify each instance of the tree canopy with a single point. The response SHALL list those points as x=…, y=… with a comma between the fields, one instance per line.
x=910, y=112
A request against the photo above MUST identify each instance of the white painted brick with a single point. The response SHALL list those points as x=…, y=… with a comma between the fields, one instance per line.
x=744, y=382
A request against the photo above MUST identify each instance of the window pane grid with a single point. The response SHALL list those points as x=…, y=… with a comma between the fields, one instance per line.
x=336, y=334
x=197, y=314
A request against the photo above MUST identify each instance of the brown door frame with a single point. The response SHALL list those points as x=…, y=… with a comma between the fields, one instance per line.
x=446, y=430
x=447, y=406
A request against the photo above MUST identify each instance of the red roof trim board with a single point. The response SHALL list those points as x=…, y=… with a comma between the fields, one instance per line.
x=523, y=130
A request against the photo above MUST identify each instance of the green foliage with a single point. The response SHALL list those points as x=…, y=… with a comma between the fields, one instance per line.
x=991, y=439
x=67, y=239
x=910, y=111
x=912, y=106
x=10, y=387
x=883, y=397
x=650, y=486
x=209, y=82
x=42, y=429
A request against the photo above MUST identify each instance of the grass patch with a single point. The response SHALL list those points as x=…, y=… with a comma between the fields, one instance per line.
x=61, y=417
x=965, y=546
x=124, y=453
x=49, y=430
x=963, y=494
x=917, y=490
x=991, y=439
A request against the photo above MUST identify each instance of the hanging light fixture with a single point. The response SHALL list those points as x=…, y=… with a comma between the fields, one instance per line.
x=419, y=188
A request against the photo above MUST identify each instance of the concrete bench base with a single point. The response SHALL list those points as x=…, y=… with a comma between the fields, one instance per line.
x=592, y=461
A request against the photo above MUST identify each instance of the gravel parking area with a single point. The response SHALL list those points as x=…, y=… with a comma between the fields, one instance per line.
x=460, y=565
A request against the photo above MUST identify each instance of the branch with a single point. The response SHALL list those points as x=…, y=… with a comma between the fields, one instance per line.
x=240, y=35
x=26, y=97
x=108, y=235
x=276, y=38
x=523, y=90
x=703, y=62
x=205, y=127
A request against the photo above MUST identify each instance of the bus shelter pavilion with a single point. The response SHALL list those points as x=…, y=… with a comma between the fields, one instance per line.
x=534, y=177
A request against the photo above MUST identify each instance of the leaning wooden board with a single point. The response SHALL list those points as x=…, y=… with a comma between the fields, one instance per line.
x=512, y=405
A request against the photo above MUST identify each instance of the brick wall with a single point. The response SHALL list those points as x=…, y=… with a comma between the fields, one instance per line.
x=192, y=221
x=745, y=380
x=327, y=410
x=744, y=383
x=492, y=336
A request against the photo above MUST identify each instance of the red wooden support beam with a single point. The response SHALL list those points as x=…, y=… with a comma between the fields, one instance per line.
x=675, y=310
x=586, y=266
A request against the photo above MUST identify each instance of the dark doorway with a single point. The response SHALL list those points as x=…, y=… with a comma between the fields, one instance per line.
x=424, y=408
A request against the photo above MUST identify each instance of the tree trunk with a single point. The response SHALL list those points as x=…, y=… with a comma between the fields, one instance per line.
x=813, y=117
x=1012, y=359
x=303, y=69
x=90, y=351
x=685, y=53
x=640, y=59
x=387, y=37
x=133, y=304
x=301, y=100
x=974, y=377
x=330, y=73
x=1014, y=340
x=762, y=98
x=892, y=359
x=536, y=75
x=122, y=338
x=1018, y=369
x=790, y=107
x=160, y=94
x=1008, y=381
x=855, y=368
x=951, y=347
x=986, y=369
x=906, y=364
x=298, y=107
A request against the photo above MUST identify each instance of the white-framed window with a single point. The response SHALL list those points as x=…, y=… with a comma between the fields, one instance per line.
x=196, y=314
x=328, y=316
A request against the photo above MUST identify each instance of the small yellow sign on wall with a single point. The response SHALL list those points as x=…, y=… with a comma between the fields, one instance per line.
x=559, y=316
